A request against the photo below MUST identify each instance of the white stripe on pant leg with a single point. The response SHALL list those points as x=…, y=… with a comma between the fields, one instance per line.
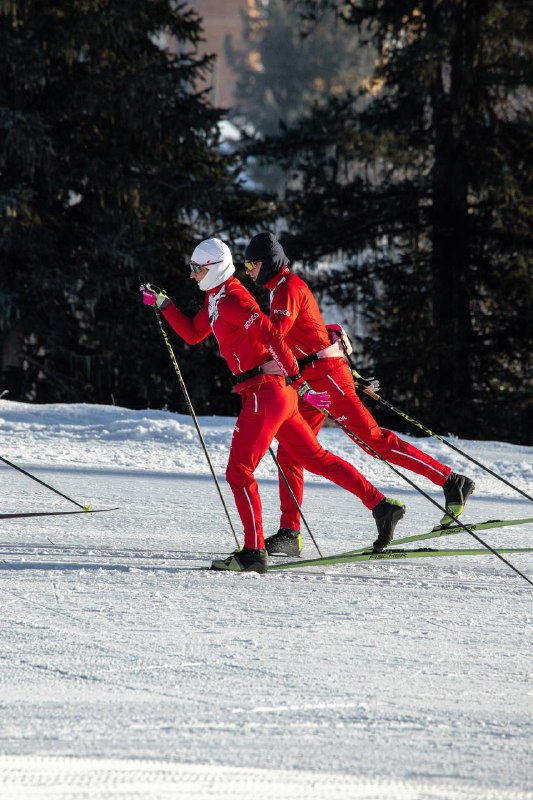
x=335, y=384
x=418, y=460
x=253, y=515
x=255, y=403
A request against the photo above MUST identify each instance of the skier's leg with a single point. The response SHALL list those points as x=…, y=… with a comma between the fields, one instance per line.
x=303, y=447
x=264, y=409
x=346, y=405
x=293, y=471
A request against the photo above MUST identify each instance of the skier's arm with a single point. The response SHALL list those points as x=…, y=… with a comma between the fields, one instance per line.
x=255, y=324
x=285, y=306
x=192, y=330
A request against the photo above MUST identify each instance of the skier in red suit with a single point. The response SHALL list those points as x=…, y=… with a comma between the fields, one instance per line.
x=321, y=358
x=262, y=366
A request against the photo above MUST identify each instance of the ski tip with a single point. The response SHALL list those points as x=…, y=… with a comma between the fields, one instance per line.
x=91, y=510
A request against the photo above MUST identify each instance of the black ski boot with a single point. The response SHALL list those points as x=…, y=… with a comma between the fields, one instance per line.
x=457, y=490
x=244, y=560
x=285, y=542
x=387, y=514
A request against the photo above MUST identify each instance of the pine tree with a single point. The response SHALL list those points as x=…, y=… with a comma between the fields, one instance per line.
x=110, y=169
x=421, y=182
x=284, y=69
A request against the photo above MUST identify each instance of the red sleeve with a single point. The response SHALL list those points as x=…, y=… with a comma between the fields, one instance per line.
x=259, y=327
x=191, y=330
x=285, y=306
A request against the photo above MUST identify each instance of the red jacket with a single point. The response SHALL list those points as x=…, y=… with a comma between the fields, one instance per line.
x=245, y=336
x=295, y=313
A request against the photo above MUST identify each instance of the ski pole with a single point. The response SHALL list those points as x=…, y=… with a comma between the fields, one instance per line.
x=405, y=416
x=295, y=501
x=193, y=415
x=29, y=475
x=359, y=441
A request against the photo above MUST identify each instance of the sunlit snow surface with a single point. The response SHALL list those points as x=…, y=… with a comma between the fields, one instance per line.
x=125, y=673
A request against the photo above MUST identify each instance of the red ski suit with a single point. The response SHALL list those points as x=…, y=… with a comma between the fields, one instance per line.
x=247, y=339
x=295, y=313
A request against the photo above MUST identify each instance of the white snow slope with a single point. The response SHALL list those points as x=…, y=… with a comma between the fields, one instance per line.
x=126, y=674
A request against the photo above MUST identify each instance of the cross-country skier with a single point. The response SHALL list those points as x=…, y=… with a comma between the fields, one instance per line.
x=295, y=313
x=262, y=366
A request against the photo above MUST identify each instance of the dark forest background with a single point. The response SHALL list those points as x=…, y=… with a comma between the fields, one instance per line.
x=387, y=143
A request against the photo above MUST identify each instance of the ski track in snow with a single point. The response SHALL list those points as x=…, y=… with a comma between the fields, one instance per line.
x=127, y=673
x=98, y=779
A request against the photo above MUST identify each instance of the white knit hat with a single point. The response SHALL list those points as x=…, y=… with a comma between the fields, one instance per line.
x=215, y=252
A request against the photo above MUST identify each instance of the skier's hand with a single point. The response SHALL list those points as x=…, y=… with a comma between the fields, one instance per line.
x=336, y=329
x=316, y=399
x=152, y=296
x=337, y=333
x=366, y=383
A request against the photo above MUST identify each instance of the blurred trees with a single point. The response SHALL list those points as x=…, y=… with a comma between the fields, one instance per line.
x=402, y=135
x=420, y=182
x=285, y=67
x=110, y=168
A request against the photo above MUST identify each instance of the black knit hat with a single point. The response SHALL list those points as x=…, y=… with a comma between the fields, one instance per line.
x=266, y=248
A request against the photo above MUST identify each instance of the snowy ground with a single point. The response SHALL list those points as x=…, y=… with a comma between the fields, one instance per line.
x=126, y=674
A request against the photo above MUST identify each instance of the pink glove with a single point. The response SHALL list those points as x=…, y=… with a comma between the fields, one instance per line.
x=316, y=399
x=336, y=332
x=152, y=296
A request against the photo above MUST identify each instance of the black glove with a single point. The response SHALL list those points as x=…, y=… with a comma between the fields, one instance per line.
x=366, y=383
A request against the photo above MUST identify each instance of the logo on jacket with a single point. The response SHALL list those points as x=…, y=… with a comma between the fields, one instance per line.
x=252, y=319
x=283, y=311
x=212, y=308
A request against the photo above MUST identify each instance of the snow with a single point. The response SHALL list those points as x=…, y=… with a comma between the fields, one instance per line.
x=125, y=672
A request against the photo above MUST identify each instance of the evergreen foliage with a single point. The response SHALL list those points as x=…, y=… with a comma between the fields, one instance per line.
x=110, y=169
x=284, y=70
x=422, y=182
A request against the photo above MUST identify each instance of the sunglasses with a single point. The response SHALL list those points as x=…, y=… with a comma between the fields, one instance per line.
x=250, y=265
x=197, y=268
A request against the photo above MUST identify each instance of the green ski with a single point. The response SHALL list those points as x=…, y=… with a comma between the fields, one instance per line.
x=453, y=529
x=388, y=555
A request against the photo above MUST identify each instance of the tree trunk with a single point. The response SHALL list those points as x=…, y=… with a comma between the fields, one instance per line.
x=450, y=260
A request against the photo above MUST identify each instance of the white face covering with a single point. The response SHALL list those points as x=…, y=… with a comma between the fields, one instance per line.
x=213, y=252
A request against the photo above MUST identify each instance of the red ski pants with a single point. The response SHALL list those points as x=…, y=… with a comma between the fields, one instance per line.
x=333, y=376
x=270, y=410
